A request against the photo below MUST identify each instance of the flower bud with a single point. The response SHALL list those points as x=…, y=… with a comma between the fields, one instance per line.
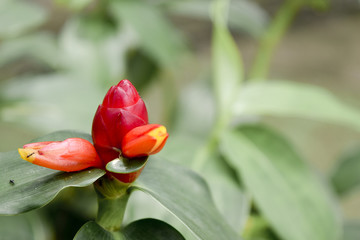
x=144, y=140
x=122, y=110
x=72, y=154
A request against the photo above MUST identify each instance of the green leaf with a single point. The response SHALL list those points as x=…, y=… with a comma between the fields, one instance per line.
x=186, y=195
x=29, y=226
x=227, y=63
x=93, y=231
x=74, y=4
x=17, y=17
x=352, y=230
x=285, y=190
x=94, y=49
x=25, y=186
x=290, y=99
x=155, y=33
x=230, y=198
x=346, y=176
x=40, y=46
x=62, y=135
x=41, y=102
x=149, y=229
x=245, y=16
x=123, y=165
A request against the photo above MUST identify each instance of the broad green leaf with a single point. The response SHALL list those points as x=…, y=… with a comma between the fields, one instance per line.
x=229, y=197
x=19, y=16
x=346, y=176
x=26, y=186
x=149, y=229
x=74, y=4
x=185, y=194
x=285, y=190
x=51, y=102
x=351, y=230
x=29, y=226
x=93, y=231
x=62, y=135
x=244, y=15
x=290, y=99
x=94, y=49
x=194, y=121
x=227, y=64
x=156, y=35
x=142, y=205
x=40, y=46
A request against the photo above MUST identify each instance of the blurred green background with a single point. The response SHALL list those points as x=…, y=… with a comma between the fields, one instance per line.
x=58, y=58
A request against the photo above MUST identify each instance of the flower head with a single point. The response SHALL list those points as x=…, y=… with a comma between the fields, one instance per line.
x=120, y=131
x=121, y=110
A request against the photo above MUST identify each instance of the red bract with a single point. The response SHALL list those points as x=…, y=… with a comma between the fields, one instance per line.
x=122, y=110
x=72, y=154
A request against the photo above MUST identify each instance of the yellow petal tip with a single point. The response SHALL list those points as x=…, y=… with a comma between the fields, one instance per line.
x=27, y=154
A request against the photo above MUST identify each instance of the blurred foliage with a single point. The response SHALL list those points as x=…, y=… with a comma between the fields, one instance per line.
x=345, y=176
x=58, y=58
x=33, y=227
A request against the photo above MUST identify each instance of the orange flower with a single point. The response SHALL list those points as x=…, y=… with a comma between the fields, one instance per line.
x=144, y=141
x=72, y=154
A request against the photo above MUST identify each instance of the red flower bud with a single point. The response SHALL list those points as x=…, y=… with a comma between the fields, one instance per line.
x=121, y=111
x=72, y=154
x=144, y=141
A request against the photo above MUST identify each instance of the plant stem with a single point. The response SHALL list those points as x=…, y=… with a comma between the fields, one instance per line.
x=112, y=199
x=220, y=8
x=272, y=37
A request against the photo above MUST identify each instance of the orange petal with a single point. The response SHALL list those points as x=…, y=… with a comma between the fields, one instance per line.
x=72, y=154
x=144, y=140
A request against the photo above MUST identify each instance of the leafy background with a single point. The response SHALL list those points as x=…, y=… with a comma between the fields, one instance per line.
x=58, y=58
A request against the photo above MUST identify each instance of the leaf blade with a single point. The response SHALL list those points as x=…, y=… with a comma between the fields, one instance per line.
x=289, y=99
x=155, y=34
x=93, y=231
x=345, y=177
x=186, y=195
x=285, y=190
x=26, y=186
x=227, y=63
x=19, y=16
x=150, y=229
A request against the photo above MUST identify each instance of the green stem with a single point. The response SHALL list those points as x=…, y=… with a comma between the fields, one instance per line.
x=272, y=37
x=112, y=199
